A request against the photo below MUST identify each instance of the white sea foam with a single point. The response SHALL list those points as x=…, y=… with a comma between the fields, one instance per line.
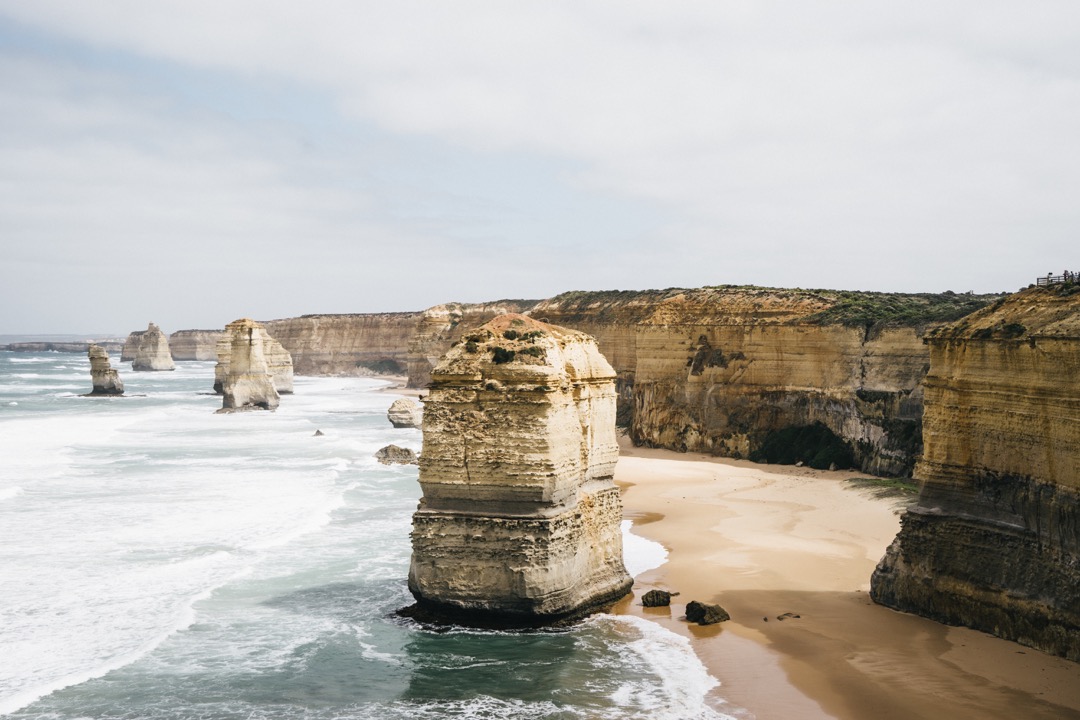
x=10, y=492
x=640, y=554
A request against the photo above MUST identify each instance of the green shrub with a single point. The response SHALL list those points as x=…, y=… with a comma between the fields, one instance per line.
x=501, y=355
x=471, y=346
x=511, y=334
x=532, y=351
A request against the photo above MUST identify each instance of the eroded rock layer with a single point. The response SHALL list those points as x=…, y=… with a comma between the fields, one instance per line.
x=106, y=380
x=151, y=350
x=195, y=344
x=993, y=542
x=247, y=382
x=519, y=516
x=360, y=344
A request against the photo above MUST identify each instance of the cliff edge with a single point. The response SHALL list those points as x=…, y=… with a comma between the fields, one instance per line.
x=993, y=542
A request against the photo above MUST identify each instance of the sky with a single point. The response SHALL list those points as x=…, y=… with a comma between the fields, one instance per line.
x=192, y=162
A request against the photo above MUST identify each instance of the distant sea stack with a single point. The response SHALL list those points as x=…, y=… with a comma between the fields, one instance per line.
x=278, y=363
x=994, y=540
x=247, y=383
x=151, y=350
x=519, y=520
x=105, y=378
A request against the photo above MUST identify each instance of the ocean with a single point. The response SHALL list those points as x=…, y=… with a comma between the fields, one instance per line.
x=160, y=561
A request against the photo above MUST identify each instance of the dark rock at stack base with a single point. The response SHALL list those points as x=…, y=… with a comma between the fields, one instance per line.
x=394, y=455
x=656, y=598
x=704, y=614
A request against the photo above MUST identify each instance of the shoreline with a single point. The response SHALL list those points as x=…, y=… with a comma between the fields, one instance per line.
x=763, y=540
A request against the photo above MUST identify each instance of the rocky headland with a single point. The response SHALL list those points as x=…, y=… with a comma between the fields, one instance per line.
x=993, y=542
x=519, y=518
x=247, y=383
x=106, y=380
x=150, y=350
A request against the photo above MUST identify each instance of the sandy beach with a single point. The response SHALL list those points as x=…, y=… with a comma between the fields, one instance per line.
x=766, y=540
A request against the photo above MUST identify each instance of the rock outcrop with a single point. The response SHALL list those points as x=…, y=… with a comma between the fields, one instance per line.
x=993, y=542
x=358, y=344
x=151, y=350
x=247, y=383
x=705, y=614
x=519, y=517
x=195, y=344
x=405, y=413
x=394, y=455
x=278, y=363
x=441, y=326
x=105, y=378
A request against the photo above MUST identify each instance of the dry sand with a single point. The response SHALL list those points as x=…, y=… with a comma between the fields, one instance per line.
x=766, y=540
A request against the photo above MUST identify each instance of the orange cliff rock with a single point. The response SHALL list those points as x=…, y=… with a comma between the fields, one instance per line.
x=994, y=540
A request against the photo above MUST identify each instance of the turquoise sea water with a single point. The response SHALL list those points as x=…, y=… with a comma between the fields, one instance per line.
x=161, y=561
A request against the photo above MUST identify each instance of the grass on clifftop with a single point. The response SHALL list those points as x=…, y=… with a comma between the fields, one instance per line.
x=870, y=309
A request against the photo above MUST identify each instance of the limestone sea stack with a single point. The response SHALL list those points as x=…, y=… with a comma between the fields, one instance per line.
x=247, y=383
x=519, y=519
x=993, y=542
x=278, y=362
x=152, y=350
x=404, y=413
x=105, y=378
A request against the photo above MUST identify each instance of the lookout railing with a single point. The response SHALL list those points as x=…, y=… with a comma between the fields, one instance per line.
x=1050, y=279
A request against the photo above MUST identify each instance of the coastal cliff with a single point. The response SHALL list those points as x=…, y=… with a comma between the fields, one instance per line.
x=520, y=516
x=993, y=542
x=357, y=344
x=721, y=370
x=195, y=344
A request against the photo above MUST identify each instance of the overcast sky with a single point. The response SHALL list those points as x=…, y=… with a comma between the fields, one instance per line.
x=194, y=162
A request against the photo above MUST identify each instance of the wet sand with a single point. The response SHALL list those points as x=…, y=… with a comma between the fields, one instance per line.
x=765, y=540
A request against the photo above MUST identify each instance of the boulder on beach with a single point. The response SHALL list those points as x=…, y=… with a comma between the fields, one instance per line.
x=703, y=614
x=657, y=598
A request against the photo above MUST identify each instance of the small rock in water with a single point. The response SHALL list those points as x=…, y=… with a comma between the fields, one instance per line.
x=657, y=598
x=703, y=614
x=319, y=433
x=392, y=454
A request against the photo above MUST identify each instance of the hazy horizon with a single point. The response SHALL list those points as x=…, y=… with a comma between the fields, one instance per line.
x=189, y=164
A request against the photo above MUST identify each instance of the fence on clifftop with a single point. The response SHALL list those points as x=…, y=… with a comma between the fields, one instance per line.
x=1050, y=278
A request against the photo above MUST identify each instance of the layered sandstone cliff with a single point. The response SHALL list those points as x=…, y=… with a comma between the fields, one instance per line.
x=718, y=370
x=360, y=344
x=247, y=383
x=994, y=540
x=106, y=380
x=151, y=351
x=519, y=516
x=195, y=344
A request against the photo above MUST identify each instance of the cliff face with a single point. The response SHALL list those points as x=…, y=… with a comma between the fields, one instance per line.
x=151, y=350
x=717, y=370
x=362, y=344
x=441, y=326
x=247, y=383
x=994, y=540
x=195, y=344
x=519, y=516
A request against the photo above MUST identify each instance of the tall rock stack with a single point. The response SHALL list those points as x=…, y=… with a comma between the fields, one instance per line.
x=247, y=383
x=152, y=350
x=994, y=540
x=105, y=378
x=278, y=363
x=519, y=519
